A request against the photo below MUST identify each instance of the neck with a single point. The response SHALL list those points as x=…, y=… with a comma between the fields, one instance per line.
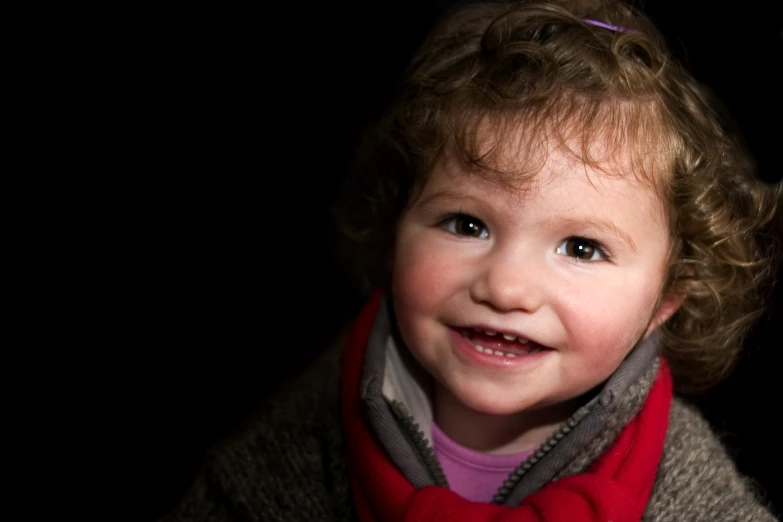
x=498, y=434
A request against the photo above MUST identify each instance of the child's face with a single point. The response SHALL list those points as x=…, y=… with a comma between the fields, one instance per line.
x=573, y=265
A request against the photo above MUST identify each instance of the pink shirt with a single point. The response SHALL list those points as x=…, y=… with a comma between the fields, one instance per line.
x=474, y=475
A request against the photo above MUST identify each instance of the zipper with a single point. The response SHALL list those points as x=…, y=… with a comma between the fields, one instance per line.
x=515, y=476
x=424, y=449
x=420, y=443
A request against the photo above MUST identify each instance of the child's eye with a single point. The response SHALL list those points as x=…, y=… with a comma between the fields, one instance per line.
x=465, y=225
x=582, y=249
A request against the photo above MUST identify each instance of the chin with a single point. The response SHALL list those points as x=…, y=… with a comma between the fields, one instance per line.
x=484, y=405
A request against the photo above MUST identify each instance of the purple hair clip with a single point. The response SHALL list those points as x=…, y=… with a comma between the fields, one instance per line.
x=615, y=28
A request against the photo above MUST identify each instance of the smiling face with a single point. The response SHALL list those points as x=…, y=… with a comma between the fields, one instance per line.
x=569, y=268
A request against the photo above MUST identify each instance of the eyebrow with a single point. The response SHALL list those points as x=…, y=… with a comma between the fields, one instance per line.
x=452, y=196
x=448, y=195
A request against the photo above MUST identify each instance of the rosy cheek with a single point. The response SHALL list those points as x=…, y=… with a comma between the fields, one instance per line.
x=605, y=321
x=419, y=280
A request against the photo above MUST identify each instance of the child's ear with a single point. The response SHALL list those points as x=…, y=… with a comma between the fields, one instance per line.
x=669, y=305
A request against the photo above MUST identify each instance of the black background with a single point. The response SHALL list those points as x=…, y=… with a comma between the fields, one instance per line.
x=176, y=262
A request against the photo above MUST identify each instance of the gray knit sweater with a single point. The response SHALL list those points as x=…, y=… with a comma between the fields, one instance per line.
x=288, y=462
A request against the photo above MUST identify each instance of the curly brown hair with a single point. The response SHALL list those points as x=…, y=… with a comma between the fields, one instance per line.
x=542, y=64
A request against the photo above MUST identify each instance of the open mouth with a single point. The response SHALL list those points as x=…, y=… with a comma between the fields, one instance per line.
x=499, y=344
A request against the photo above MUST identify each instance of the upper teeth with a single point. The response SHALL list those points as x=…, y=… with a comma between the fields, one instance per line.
x=507, y=337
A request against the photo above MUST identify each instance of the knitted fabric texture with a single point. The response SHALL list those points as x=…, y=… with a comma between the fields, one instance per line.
x=698, y=480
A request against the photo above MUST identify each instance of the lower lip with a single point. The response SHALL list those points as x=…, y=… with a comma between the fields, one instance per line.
x=466, y=350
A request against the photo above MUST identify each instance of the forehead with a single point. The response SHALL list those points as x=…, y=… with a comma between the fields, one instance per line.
x=523, y=153
x=557, y=172
x=614, y=137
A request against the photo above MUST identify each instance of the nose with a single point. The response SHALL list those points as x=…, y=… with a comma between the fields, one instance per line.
x=507, y=282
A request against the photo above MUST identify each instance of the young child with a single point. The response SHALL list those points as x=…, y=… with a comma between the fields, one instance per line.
x=556, y=232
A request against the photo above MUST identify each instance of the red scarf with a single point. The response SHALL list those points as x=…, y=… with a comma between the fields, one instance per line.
x=615, y=488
